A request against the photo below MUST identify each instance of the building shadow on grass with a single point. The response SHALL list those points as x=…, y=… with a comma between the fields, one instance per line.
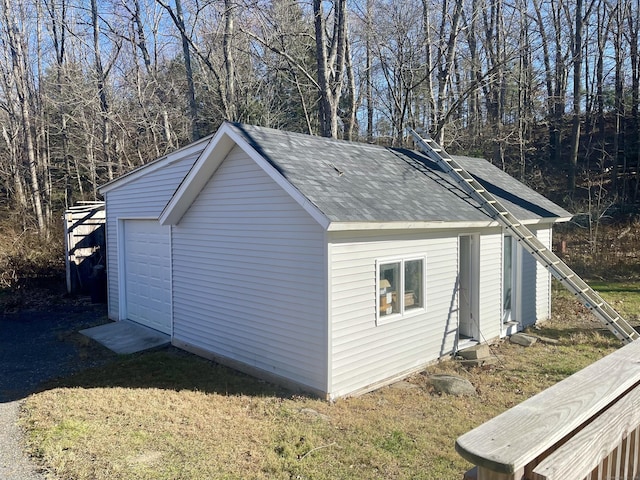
x=170, y=368
x=41, y=348
x=597, y=336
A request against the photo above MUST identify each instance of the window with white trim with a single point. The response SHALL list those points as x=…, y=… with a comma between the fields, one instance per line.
x=401, y=288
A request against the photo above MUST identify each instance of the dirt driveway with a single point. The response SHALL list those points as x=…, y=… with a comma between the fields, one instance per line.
x=37, y=345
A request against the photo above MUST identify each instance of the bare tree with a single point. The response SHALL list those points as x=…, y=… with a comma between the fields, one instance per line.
x=178, y=19
x=331, y=56
x=17, y=80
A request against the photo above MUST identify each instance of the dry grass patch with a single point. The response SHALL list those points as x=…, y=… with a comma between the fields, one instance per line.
x=170, y=415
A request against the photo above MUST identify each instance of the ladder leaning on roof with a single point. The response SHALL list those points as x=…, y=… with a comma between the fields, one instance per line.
x=560, y=270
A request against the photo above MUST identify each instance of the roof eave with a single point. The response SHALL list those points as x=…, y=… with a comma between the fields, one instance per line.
x=433, y=225
x=152, y=166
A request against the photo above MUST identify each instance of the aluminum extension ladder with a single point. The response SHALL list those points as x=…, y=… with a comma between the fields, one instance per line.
x=560, y=270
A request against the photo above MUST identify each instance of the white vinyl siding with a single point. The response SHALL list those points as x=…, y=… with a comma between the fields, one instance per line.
x=490, y=288
x=543, y=282
x=533, y=284
x=527, y=290
x=143, y=198
x=363, y=353
x=249, y=276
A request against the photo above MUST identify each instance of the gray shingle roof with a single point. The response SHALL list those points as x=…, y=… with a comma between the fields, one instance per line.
x=356, y=182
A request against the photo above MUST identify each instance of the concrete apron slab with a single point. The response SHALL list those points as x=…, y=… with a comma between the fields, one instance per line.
x=126, y=337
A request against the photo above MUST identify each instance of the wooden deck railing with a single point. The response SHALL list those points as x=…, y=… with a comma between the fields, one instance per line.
x=585, y=427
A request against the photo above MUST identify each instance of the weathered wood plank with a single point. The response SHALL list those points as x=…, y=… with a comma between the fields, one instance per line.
x=511, y=440
x=601, y=441
x=485, y=474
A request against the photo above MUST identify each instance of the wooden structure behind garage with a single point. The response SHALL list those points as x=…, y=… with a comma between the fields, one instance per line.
x=84, y=245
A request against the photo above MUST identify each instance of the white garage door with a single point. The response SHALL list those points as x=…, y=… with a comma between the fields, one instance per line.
x=147, y=265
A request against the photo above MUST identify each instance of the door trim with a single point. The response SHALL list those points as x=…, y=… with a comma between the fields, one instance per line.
x=122, y=280
x=471, y=280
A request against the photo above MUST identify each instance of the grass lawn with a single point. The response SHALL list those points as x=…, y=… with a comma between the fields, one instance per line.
x=171, y=415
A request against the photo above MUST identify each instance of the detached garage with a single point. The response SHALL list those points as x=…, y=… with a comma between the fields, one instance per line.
x=325, y=265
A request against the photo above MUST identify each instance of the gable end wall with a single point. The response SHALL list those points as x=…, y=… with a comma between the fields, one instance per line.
x=250, y=278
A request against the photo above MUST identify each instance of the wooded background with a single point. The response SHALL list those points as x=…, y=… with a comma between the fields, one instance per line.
x=89, y=89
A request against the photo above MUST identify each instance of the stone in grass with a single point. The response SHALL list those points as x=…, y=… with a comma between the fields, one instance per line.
x=451, y=384
x=523, y=339
x=476, y=352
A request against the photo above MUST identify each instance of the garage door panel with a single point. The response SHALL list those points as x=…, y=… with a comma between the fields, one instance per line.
x=147, y=258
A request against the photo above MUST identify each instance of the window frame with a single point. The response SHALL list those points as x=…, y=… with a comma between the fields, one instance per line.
x=403, y=311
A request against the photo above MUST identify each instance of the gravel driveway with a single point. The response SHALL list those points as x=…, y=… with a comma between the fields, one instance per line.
x=37, y=346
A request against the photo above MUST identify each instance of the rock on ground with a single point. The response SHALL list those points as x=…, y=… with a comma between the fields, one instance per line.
x=451, y=384
x=476, y=352
x=523, y=339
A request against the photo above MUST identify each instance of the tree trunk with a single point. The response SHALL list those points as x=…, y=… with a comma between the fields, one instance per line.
x=368, y=70
x=635, y=88
x=17, y=180
x=330, y=57
x=445, y=69
x=19, y=78
x=618, y=154
x=577, y=96
x=432, y=120
x=351, y=122
x=142, y=39
x=191, y=89
x=231, y=110
x=102, y=92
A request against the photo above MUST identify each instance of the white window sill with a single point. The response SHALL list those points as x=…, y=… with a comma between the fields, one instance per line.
x=395, y=317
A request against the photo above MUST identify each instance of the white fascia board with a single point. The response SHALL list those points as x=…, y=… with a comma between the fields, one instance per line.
x=210, y=159
x=546, y=221
x=348, y=226
x=562, y=220
x=434, y=225
x=154, y=165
